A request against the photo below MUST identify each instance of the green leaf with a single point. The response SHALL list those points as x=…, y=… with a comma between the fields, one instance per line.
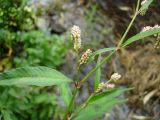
x=45, y=98
x=6, y=114
x=141, y=35
x=107, y=95
x=94, y=111
x=65, y=93
x=100, y=51
x=98, y=74
x=146, y=5
x=38, y=76
x=101, y=103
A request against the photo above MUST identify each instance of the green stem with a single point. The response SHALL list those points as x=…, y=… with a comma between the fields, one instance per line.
x=70, y=104
x=93, y=94
x=87, y=101
x=130, y=24
x=77, y=64
x=138, y=5
x=106, y=59
x=121, y=41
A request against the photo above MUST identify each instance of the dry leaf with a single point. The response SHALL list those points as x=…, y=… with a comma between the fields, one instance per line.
x=148, y=96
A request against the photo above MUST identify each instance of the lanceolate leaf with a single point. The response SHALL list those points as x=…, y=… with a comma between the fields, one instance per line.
x=100, y=51
x=146, y=5
x=100, y=104
x=140, y=36
x=39, y=76
x=107, y=95
x=93, y=111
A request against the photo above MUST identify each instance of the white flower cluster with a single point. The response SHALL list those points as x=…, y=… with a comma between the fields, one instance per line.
x=115, y=77
x=85, y=56
x=76, y=35
x=149, y=28
x=103, y=86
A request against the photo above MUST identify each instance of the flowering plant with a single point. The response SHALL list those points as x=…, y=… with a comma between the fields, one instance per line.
x=104, y=96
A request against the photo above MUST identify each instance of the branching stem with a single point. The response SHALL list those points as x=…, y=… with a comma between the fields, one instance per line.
x=106, y=59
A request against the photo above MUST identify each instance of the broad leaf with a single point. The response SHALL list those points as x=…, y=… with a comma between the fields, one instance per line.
x=100, y=51
x=98, y=74
x=39, y=76
x=140, y=36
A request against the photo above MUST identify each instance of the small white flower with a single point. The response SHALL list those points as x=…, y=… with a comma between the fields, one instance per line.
x=110, y=86
x=75, y=31
x=103, y=86
x=156, y=26
x=149, y=28
x=146, y=28
x=115, y=77
x=76, y=35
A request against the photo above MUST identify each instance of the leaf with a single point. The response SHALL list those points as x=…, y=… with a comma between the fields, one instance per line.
x=98, y=74
x=45, y=98
x=94, y=111
x=146, y=5
x=38, y=76
x=108, y=94
x=101, y=103
x=149, y=96
x=65, y=93
x=6, y=114
x=100, y=51
x=140, y=36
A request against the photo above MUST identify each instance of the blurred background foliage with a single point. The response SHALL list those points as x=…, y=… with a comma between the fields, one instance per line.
x=22, y=43
x=26, y=103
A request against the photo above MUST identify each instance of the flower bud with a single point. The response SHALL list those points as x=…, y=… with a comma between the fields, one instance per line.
x=85, y=56
x=76, y=35
x=147, y=28
x=115, y=77
x=110, y=86
x=104, y=86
